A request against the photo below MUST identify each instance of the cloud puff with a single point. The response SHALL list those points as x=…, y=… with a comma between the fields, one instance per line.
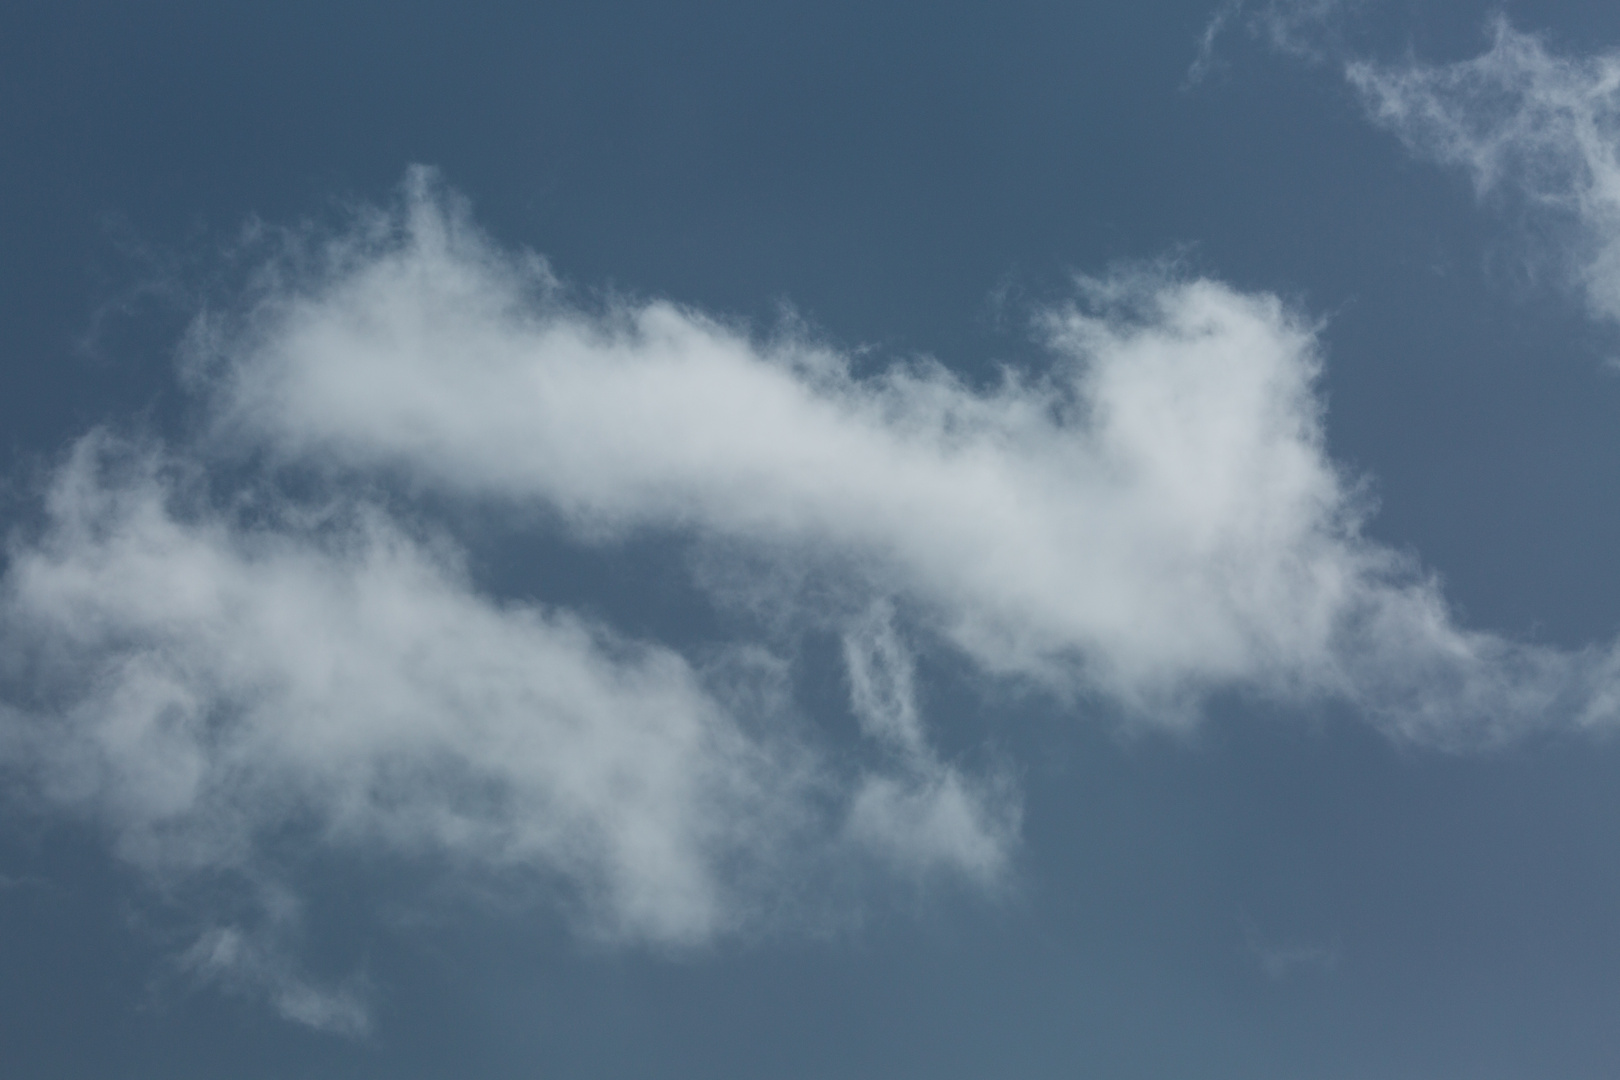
x=1523, y=122
x=201, y=674
x=1151, y=519
x=219, y=687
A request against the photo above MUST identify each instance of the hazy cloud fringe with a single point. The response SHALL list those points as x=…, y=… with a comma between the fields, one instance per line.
x=1525, y=123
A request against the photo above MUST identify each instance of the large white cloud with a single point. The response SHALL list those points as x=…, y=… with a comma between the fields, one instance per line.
x=1526, y=123
x=1152, y=518
x=207, y=665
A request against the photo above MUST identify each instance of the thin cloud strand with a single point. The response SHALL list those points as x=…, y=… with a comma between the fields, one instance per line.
x=1527, y=123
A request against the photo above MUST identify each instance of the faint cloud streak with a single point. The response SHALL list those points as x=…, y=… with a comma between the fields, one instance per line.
x=1527, y=125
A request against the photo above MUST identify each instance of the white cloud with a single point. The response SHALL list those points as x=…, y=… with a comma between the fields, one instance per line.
x=1524, y=122
x=1153, y=518
x=216, y=687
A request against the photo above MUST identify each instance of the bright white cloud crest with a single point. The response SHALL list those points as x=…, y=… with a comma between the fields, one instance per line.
x=1151, y=520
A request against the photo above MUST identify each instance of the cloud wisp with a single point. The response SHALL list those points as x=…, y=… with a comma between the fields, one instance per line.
x=1527, y=125
x=922, y=812
x=1534, y=129
x=1307, y=30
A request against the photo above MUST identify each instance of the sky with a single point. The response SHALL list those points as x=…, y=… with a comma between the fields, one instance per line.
x=810, y=540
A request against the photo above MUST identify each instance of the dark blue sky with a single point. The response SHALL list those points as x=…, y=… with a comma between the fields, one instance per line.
x=1283, y=891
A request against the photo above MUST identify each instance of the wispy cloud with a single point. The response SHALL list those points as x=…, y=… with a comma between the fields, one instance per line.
x=1529, y=126
x=1303, y=29
x=1280, y=962
x=25, y=883
x=925, y=812
x=261, y=965
x=1537, y=130
x=1281, y=959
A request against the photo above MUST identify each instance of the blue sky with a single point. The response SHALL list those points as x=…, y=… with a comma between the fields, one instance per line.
x=880, y=540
